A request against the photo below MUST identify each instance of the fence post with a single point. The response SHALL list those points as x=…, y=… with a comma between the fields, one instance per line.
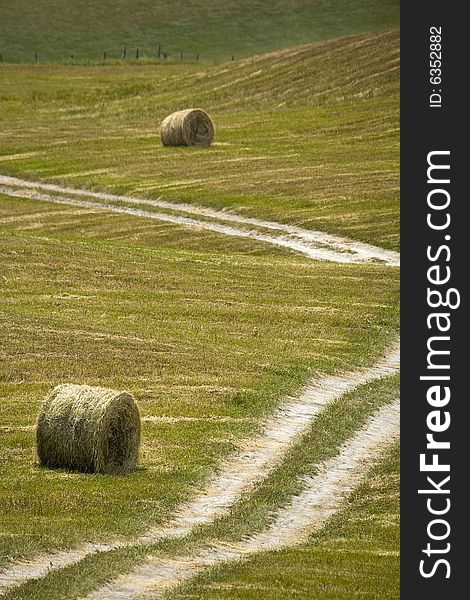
x=181, y=56
x=233, y=57
x=197, y=58
x=124, y=53
x=104, y=55
x=159, y=51
x=35, y=57
x=137, y=54
x=1, y=58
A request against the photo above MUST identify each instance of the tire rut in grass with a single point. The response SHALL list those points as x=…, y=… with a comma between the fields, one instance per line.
x=313, y=244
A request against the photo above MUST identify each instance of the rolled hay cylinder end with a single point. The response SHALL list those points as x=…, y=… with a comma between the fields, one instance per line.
x=88, y=429
x=189, y=127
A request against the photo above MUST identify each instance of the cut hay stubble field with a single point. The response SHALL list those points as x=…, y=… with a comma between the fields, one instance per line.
x=195, y=325
x=190, y=333
x=322, y=156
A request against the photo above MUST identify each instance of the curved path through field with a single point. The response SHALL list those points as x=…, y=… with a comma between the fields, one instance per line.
x=260, y=454
x=314, y=244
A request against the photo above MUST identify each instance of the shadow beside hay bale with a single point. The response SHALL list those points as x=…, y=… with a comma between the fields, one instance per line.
x=189, y=127
x=88, y=429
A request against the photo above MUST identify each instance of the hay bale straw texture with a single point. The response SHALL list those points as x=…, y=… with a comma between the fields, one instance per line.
x=189, y=127
x=89, y=429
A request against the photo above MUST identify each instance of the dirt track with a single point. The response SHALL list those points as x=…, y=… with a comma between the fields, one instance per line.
x=314, y=244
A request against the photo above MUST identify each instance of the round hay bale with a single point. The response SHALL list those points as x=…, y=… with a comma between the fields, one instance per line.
x=89, y=429
x=189, y=127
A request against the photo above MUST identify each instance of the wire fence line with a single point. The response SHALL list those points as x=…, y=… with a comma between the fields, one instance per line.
x=124, y=54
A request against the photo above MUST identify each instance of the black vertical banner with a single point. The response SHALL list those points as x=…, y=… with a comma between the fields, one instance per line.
x=435, y=254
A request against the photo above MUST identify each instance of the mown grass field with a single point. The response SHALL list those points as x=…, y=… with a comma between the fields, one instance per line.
x=198, y=325
x=212, y=28
x=190, y=332
x=306, y=135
